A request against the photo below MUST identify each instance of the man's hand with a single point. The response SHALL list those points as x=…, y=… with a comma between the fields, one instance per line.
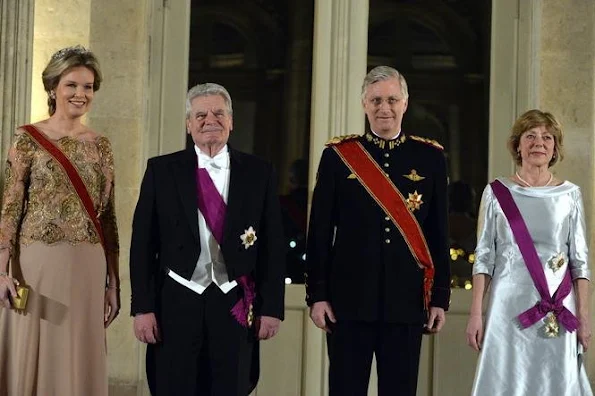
x=146, y=329
x=436, y=320
x=319, y=313
x=266, y=327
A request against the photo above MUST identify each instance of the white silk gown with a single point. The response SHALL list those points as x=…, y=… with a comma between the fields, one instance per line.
x=526, y=362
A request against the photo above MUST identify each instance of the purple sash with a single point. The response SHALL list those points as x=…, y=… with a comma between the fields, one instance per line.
x=213, y=208
x=527, y=247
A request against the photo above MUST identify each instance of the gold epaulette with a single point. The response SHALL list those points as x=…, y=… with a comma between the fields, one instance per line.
x=431, y=142
x=339, y=139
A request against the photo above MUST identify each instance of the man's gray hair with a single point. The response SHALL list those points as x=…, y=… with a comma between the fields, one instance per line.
x=207, y=89
x=382, y=73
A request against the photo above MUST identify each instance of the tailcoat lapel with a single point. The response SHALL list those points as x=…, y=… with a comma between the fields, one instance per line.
x=184, y=172
x=238, y=180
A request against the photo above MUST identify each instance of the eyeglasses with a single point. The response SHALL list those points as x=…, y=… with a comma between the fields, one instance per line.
x=391, y=100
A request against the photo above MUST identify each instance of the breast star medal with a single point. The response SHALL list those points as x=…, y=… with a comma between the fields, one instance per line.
x=248, y=237
x=414, y=201
x=552, y=328
x=556, y=262
x=414, y=176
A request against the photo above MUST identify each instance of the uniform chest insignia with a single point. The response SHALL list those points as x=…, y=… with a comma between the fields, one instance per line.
x=352, y=176
x=413, y=176
x=414, y=201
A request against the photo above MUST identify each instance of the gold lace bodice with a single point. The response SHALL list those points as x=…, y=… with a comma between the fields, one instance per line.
x=39, y=202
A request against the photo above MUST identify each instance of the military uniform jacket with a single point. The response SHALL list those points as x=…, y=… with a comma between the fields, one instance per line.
x=356, y=257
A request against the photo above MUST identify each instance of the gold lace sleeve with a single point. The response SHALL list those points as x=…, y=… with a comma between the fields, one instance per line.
x=16, y=182
x=108, y=212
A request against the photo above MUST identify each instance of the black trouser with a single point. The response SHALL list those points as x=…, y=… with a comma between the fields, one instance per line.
x=203, y=349
x=351, y=347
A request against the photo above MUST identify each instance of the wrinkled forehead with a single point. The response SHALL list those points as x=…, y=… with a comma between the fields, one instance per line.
x=208, y=102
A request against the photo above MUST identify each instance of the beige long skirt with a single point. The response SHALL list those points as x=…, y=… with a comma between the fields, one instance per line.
x=57, y=346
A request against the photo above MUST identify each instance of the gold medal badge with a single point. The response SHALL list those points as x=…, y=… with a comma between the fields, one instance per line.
x=414, y=201
x=552, y=327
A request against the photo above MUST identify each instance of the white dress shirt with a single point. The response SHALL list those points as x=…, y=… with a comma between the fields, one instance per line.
x=210, y=266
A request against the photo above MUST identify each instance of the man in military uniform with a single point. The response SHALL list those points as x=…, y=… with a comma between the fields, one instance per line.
x=377, y=254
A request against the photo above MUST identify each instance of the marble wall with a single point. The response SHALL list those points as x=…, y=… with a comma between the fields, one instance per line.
x=119, y=37
x=567, y=89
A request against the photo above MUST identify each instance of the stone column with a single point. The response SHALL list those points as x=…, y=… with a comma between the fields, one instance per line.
x=567, y=89
x=16, y=37
x=339, y=68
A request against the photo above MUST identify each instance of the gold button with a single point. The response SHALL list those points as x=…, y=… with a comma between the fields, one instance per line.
x=387, y=229
x=387, y=240
x=387, y=218
x=386, y=165
x=386, y=173
x=386, y=155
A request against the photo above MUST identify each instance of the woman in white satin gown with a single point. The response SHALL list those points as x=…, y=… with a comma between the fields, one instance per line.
x=517, y=361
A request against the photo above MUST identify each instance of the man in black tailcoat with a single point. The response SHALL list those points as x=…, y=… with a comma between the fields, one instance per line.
x=207, y=258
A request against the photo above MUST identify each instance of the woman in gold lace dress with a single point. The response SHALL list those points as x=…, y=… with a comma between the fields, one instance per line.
x=50, y=243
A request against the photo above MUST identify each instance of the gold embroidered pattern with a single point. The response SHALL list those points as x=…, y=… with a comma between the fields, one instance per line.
x=338, y=139
x=431, y=142
x=53, y=211
x=383, y=143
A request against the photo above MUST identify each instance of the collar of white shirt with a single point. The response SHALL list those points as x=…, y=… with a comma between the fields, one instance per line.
x=397, y=135
x=219, y=161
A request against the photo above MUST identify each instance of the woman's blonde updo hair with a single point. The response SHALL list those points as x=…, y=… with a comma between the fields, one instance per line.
x=61, y=62
x=533, y=119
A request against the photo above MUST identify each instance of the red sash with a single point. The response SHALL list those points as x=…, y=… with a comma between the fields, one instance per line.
x=390, y=199
x=73, y=176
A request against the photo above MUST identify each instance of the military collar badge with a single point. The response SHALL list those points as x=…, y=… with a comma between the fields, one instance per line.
x=384, y=143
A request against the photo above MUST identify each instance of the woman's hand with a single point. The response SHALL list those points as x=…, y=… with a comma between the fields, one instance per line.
x=475, y=332
x=7, y=290
x=584, y=332
x=111, y=305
